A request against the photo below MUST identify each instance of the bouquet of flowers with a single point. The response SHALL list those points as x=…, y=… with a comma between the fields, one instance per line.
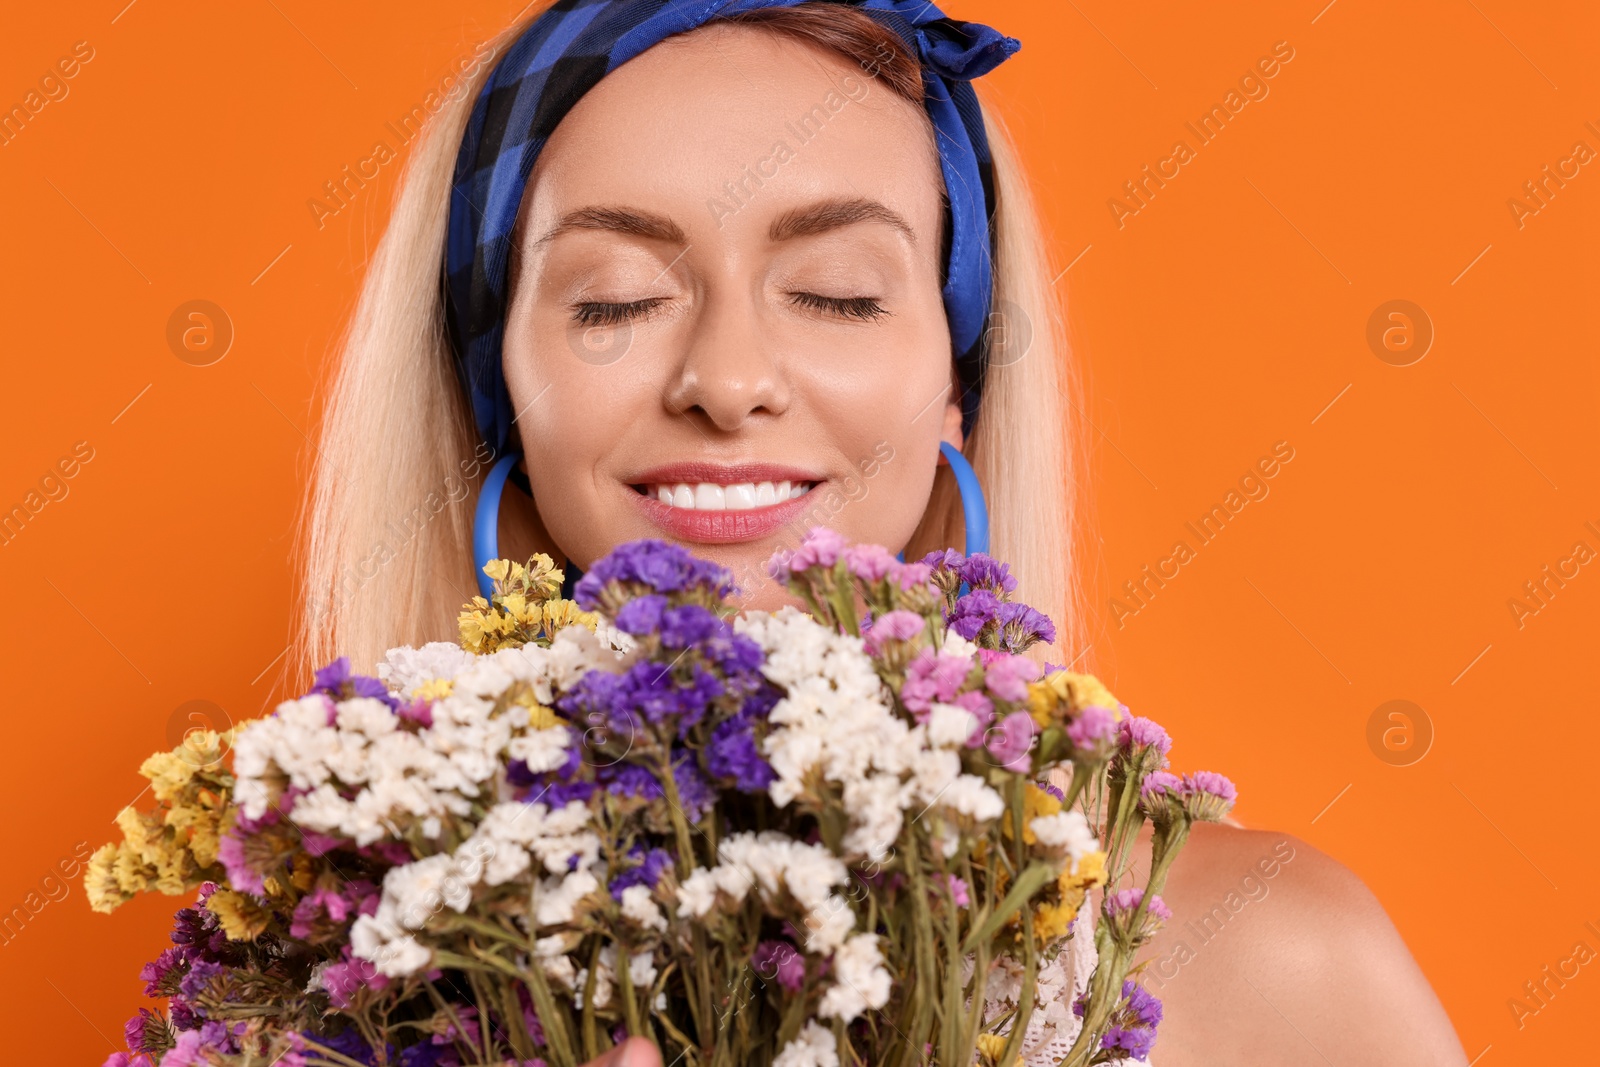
x=865, y=833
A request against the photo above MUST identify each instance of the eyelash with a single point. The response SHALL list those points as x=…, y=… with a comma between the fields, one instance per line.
x=863, y=308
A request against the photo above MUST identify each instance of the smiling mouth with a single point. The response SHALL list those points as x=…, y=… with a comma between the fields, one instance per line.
x=714, y=496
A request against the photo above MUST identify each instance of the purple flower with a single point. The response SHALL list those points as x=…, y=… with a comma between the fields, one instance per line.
x=981, y=572
x=781, y=961
x=973, y=612
x=1134, y=732
x=944, y=559
x=630, y=780
x=1051, y=788
x=201, y=977
x=647, y=871
x=1007, y=676
x=1135, y=1041
x=1021, y=626
x=821, y=547
x=641, y=615
x=658, y=566
x=1093, y=729
x=695, y=793
x=688, y=625
x=733, y=753
x=1010, y=741
x=336, y=681
x=870, y=563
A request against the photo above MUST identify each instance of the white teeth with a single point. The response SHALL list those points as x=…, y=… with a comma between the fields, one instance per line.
x=709, y=496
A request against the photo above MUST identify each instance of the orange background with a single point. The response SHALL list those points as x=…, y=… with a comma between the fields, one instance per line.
x=1228, y=314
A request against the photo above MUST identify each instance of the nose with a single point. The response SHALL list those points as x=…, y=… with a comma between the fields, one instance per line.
x=731, y=372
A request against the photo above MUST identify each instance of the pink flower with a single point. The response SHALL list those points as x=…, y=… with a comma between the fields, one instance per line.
x=1008, y=677
x=912, y=575
x=933, y=678
x=870, y=563
x=1010, y=741
x=821, y=547
x=778, y=564
x=982, y=709
x=894, y=626
x=1092, y=729
x=1135, y=732
x=1126, y=901
x=958, y=891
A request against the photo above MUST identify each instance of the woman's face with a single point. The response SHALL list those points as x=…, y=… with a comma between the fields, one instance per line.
x=726, y=324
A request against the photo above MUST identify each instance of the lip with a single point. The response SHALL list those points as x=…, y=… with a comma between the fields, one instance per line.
x=724, y=473
x=722, y=527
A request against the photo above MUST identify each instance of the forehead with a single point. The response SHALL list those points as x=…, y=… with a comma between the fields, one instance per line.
x=739, y=115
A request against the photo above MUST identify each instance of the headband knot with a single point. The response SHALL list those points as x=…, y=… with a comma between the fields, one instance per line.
x=567, y=50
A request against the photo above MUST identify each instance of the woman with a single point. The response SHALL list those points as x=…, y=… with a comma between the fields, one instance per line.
x=753, y=269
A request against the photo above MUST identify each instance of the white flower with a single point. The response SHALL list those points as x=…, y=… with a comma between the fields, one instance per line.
x=969, y=795
x=956, y=645
x=541, y=750
x=1067, y=830
x=814, y=1046
x=828, y=924
x=558, y=900
x=638, y=906
x=405, y=669
x=949, y=725
x=860, y=980
x=697, y=894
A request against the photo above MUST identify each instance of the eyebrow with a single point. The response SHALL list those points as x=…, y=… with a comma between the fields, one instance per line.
x=807, y=221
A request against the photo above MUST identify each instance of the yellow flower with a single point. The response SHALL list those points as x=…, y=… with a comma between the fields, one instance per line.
x=1050, y=921
x=100, y=881
x=991, y=1046
x=433, y=689
x=1035, y=802
x=1060, y=694
x=242, y=919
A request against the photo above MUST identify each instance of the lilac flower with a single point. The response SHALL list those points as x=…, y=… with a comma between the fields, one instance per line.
x=982, y=709
x=657, y=565
x=246, y=871
x=958, y=891
x=1010, y=741
x=1135, y=1041
x=781, y=961
x=933, y=677
x=148, y=1032
x=630, y=780
x=1093, y=730
x=162, y=974
x=695, y=793
x=944, y=559
x=1135, y=732
x=981, y=572
x=336, y=681
x=1007, y=676
x=351, y=973
x=1021, y=626
x=911, y=576
x=123, y=1059
x=202, y=974
x=1126, y=901
x=973, y=612
x=1208, y=796
x=870, y=563
x=893, y=626
x=821, y=547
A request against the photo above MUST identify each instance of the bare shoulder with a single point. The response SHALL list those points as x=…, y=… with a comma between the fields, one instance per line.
x=1276, y=953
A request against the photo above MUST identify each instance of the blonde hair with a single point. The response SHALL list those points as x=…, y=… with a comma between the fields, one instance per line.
x=387, y=526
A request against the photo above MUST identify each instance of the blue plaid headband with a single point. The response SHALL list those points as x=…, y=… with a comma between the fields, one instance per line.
x=569, y=48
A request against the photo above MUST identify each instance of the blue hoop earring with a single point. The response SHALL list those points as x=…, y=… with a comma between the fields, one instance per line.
x=973, y=509
x=486, y=529
x=486, y=521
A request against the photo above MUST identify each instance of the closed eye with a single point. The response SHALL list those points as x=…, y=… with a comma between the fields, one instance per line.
x=594, y=313
x=864, y=308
